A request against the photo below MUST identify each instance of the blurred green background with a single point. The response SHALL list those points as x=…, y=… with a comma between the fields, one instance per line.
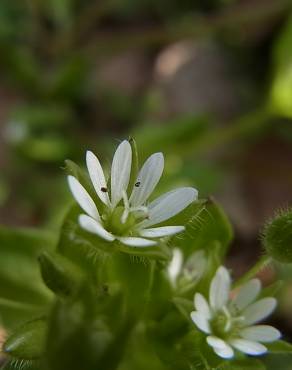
x=208, y=82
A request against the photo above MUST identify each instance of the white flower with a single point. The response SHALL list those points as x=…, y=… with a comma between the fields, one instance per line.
x=128, y=219
x=189, y=271
x=230, y=322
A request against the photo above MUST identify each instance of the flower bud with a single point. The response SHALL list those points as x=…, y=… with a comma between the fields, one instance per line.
x=60, y=275
x=277, y=237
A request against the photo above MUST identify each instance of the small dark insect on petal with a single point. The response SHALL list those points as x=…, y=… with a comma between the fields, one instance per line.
x=104, y=190
x=138, y=183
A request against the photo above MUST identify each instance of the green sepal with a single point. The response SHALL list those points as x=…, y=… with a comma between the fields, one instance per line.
x=158, y=252
x=60, y=275
x=14, y=364
x=205, y=224
x=28, y=341
x=85, y=248
x=72, y=169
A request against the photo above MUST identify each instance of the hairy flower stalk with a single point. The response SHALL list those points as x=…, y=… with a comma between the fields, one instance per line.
x=125, y=215
x=229, y=322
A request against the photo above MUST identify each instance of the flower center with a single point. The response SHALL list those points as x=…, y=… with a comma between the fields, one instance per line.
x=114, y=222
x=225, y=325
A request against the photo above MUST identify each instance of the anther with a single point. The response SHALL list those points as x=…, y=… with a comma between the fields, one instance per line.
x=104, y=190
x=137, y=184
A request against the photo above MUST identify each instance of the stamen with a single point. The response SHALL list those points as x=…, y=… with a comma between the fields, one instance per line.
x=137, y=184
x=127, y=208
x=125, y=216
x=229, y=319
x=103, y=189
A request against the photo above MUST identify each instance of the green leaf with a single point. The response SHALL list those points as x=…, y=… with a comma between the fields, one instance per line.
x=246, y=364
x=280, y=346
x=278, y=361
x=22, y=292
x=28, y=341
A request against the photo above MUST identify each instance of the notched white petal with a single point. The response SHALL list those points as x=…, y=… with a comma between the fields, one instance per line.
x=260, y=333
x=120, y=171
x=220, y=347
x=83, y=198
x=247, y=294
x=136, y=242
x=147, y=179
x=249, y=347
x=168, y=205
x=202, y=305
x=259, y=310
x=97, y=177
x=201, y=321
x=220, y=288
x=89, y=224
x=159, y=232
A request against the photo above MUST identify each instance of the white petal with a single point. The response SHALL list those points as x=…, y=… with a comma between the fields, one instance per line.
x=147, y=179
x=136, y=242
x=261, y=333
x=195, y=265
x=91, y=225
x=249, y=347
x=97, y=176
x=247, y=294
x=220, y=288
x=201, y=321
x=168, y=205
x=83, y=198
x=120, y=172
x=259, y=310
x=220, y=347
x=202, y=305
x=158, y=232
x=175, y=265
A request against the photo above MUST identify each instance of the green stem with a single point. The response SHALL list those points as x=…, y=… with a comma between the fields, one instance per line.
x=263, y=262
x=153, y=266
